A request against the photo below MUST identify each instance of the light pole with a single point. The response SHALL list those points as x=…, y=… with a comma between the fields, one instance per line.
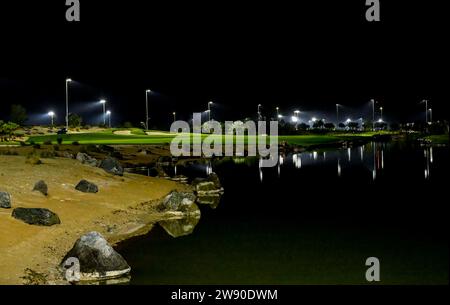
x=373, y=114
x=174, y=116
x=51, y=114
x=209, y=111
x=259, y=112
x=147, y=92
x=426, y=111
x=103, y=102
x=431, y=115
x=381, y=113
x=108, y=113
x=337, y=114
x=278, y=113
x=68, y=80
x=296, y=113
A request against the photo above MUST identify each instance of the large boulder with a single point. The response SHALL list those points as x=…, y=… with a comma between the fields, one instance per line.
x=86, y=159
x=5, y=200
x=86, y=187
x=98, y=260
x=209, y=185
x=42, y=187
x=36, y=216
x=181, y=202
x=112, y=166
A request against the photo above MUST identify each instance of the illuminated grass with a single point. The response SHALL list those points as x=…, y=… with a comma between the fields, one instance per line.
x=142, y=139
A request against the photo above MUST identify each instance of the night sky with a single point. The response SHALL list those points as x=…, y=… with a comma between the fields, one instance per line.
x=291, y=54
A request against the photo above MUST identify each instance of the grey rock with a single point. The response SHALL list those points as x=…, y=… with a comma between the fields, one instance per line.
x=182, y=202
x=208, y=185
x=86, y=187
x=42, y=187
x=36, y=216
x=86, y=159
x=98, y=260
x=112, y=166
x=5, y=200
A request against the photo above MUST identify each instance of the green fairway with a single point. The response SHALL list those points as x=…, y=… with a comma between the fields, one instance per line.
x=137, y=137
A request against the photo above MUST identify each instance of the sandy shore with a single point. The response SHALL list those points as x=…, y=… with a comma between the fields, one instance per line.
x=123, y=207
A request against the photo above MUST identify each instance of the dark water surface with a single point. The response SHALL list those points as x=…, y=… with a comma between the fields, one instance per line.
x=314, y=219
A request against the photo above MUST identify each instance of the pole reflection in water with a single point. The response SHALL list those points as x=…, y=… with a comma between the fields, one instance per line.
x=362, y=152
x=280, y=162
x=374, y=171
x=315, y=155
x=297, y=160
x=339, y=171
x=175, y=170
x=349, y=152
x=209, y=169
x=324, y=156
x=428, y=153
x=260, y=171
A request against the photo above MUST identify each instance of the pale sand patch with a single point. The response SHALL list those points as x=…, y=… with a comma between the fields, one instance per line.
x=124, y=207
x=123, y=132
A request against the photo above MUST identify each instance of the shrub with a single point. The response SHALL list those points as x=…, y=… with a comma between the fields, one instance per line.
x=59, y=140
x=33, y=159
x=76, y=143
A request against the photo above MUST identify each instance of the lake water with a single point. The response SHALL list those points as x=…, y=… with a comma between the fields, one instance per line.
x=314, y=219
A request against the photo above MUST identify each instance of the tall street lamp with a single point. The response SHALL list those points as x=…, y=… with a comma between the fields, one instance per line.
x=431, y=115
x=259, y=112
x=278, y=113
x=174, y=116
x=209, y=111
x=381, y=113
x=68, y=80
x=103, y=102
x=147, y=92
x=108, y=113
x=373, y=114
x=51, y=114
x=426, y=111
x=296, y=113
x=337, y=114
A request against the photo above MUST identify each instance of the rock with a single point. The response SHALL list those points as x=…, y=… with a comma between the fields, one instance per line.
x=164, y=161
x=86, y=187
x=86, y=159
x=98, y=260
x=5, y=200
x=182, y=202
x=36, y=216
x=158, y=171
x=67, y=154
x=112, y=166
x=208, y=185
x=42, y=187
x=179, y=178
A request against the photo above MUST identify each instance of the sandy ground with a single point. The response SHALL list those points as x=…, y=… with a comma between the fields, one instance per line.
x=123, y=207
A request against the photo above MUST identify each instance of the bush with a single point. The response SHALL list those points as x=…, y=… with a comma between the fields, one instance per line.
x=33, y=159
x=59, y=140
x=76, y=143
x=48, y=142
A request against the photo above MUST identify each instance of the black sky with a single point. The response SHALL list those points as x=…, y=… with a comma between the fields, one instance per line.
x=306, y=55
